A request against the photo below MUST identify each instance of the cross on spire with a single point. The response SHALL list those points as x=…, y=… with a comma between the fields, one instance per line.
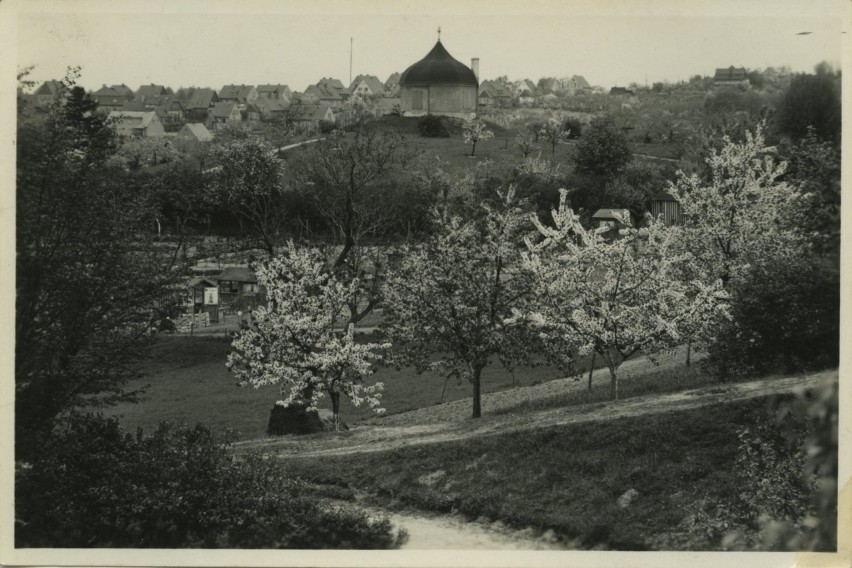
x=439, y=33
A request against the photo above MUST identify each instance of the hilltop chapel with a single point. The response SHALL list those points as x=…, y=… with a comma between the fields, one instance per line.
x=439, y=84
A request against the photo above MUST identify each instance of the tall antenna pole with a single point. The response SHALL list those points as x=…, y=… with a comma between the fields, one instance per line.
x=350, y=60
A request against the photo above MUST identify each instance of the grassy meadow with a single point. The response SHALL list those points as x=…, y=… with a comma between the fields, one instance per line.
x=187, y=382
x=566, y=480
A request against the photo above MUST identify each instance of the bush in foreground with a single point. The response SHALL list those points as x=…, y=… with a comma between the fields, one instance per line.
x=94, y=486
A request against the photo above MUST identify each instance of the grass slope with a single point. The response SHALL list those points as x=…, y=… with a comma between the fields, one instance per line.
x=188, y=383
x=565, y=479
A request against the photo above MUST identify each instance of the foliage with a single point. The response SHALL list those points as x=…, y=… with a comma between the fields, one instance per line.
x=295, y=339
x=811, y=101
x=554, y=132
x=616, y=295
x=785, y=317
x=738, y=215
x=786, y=467
x=525, y=141
x=344, y=176
x=135, y=153
x=250, y=181
x=453, y=295
x=603, y=150
x=475, y=130
x=90, y=289
x=814, y=168
x=432, y=126
x=93, y=486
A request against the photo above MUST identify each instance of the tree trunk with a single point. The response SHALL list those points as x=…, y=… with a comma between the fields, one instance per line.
x=591, y=370
x=688, y=352
x=473, y=150
x=335, y=409
x=613, y=383
x=477, y=403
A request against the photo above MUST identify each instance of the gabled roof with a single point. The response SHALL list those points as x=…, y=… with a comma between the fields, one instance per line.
x=106, y=96
x=133, y=119
x=580, y=82
x=236, y=274
x=202, y=99
x=495, y=89
x=323, y=93
x=236, y=92
x=730, y=74
x=134, y=106
x=123, y=90
x=280, y=89
x=271, y=105
x=197, y=131
x=438, y=68
x=372, y=82
x=612, y=214
x=223, y=109
x=392, y=80
x=151, y=91
x=308, y=113
x=331, y=84
x=50, y=87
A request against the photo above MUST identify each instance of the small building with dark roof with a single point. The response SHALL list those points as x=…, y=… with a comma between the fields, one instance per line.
x=664, y=206
x=439, y=84
x=612, y=218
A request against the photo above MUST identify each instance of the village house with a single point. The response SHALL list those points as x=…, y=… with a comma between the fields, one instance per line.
x=494, y=93
x=195, y=132
x=109, y=99
x=47, y=92
x=273, y=92
x=272, y=109
x=334, y=85
x=367, y=85
x=225, y=112
x=306, y=118
x=151, y=95
x=238, y=289
x=200, y=105
x=392, y=86
x=731, y=77
x=137, y=124
x=241, y=94
x=576, y=84
x=319, y=94
x=204, y=298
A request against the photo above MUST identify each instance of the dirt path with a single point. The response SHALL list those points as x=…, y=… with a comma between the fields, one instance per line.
x=377, y=438
x=432, y=531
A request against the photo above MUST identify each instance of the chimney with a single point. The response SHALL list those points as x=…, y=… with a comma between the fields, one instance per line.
x=474, y=65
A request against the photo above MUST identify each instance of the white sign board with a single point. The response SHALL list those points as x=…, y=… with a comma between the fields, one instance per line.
x=211, y=296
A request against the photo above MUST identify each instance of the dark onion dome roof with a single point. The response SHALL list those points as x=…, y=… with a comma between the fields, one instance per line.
x=438, y=68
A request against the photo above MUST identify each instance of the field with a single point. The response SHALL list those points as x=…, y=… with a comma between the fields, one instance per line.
x=188, y=382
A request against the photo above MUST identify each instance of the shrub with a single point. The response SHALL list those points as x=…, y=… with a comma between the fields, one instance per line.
x=432, y=127
x=94, y=486
x=785, y=317
x=327, y=126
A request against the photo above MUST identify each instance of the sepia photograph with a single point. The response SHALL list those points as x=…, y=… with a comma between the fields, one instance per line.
x=424, y=284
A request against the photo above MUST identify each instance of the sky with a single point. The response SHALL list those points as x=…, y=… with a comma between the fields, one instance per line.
x=212, y=43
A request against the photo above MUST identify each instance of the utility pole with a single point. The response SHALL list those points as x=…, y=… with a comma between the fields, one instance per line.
x=351, y=41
